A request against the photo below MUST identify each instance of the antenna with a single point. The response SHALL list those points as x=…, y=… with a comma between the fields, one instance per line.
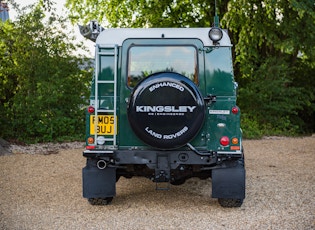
x=216, y=17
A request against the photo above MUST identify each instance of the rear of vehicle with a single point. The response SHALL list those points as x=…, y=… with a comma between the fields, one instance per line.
x=163, y=106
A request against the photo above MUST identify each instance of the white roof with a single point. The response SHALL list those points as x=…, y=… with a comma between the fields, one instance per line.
x=119, y=35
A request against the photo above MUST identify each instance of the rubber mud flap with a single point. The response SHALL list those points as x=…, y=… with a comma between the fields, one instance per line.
x=166, y=110
x=98, y=183
x=228, y=183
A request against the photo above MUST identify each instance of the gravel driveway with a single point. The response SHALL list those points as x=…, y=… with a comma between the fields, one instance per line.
x=44, y=192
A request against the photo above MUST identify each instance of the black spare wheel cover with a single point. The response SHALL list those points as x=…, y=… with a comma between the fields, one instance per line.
x=166, y=110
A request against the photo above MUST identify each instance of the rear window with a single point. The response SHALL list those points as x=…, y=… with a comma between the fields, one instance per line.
x=146, y=60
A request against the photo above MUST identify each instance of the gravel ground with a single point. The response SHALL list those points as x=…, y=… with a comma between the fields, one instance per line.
x=44, y=191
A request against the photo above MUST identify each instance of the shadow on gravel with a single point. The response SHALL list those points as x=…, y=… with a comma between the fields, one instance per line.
x=193, y=192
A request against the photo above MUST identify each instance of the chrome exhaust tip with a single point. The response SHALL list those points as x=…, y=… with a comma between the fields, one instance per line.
x=101, y=164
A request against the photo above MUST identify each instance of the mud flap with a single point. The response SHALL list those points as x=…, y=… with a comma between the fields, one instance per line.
x=99, y=183
x=228, y=183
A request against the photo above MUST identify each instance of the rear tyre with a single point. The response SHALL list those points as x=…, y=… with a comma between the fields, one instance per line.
x=100, y=201
x=178, y=182
x=230, y=202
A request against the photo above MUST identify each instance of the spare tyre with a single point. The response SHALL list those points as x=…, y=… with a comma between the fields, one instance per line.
x=166, y=110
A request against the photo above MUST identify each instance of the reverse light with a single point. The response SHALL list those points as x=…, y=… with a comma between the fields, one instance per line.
x=91, y=109
x=224, y=141
x=215, y=34
x=235, y=110
x=100, y=140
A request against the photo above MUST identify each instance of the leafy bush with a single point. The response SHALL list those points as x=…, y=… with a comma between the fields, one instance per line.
x=272, y=100
x=43, y=86
x=274, y=58
x=250, y=127
x=274, y=64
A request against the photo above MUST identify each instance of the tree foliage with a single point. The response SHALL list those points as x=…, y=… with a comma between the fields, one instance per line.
x=275, y=59
x=274, y=55
x=145, y=13
x=42, y=87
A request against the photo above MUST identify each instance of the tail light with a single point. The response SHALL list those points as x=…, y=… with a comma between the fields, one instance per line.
x=90, y=147
x=224, y=141
x=235, y=110
x=91, y=109
x=90, y=141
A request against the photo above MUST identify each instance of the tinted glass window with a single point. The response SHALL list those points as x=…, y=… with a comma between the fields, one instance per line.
x=146, y=60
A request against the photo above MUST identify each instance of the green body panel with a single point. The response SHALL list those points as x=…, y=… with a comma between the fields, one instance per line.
x=231, y=122
x=220, y=83
x=215, y=79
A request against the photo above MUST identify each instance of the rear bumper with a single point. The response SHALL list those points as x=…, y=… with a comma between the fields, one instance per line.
x=101, y=152
x=150, y=157
x=228, y=177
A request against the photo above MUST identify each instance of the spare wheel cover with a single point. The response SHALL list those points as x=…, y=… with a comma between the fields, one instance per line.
x=166, y=110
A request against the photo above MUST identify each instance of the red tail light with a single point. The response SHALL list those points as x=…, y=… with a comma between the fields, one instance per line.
x=224, y=141
x=235, y=110
x=90, y=147
x=91, y=109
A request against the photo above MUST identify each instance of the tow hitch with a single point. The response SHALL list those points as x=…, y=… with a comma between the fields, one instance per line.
x=162, y=173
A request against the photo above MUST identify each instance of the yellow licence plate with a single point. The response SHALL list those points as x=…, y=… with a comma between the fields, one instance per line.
x=105, y=124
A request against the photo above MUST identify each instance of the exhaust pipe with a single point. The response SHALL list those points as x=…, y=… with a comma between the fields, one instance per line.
x=101, y=164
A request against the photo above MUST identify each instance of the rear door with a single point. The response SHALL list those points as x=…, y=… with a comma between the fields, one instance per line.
x=144, y=57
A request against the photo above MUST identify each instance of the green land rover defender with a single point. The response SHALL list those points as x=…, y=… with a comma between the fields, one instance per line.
x=163, y=106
